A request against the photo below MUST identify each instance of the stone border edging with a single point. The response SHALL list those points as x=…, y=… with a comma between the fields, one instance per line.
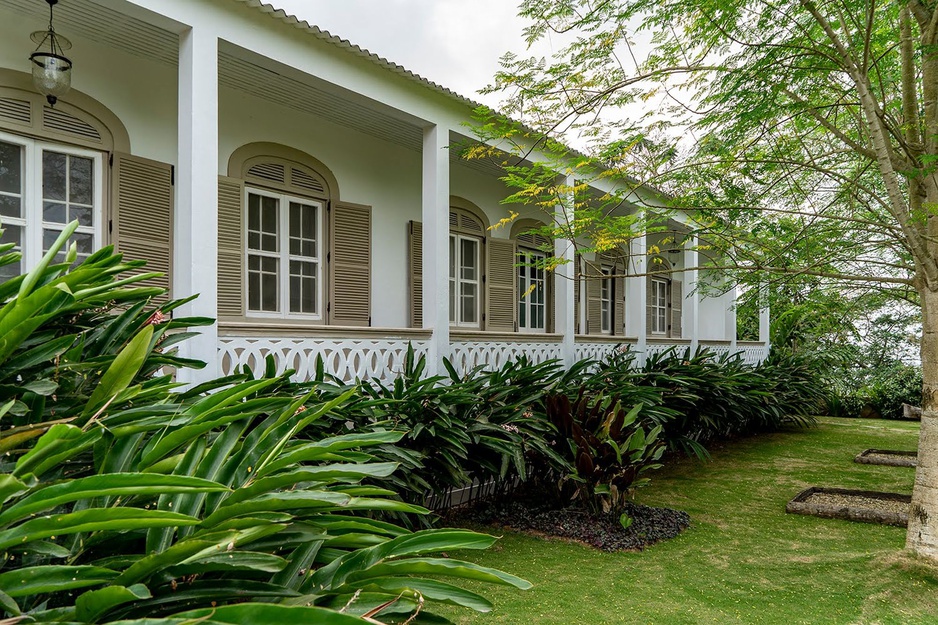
x=798, y=505
x=901, y=458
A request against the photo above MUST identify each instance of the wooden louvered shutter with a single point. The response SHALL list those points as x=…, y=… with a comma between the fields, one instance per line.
x=142, y=214
x=231, y=248
x=594, y=304
x=501, y=298
x=415, y=272
x=350, y=265
x=649, y=305
x=677, y=304
x=618, y=293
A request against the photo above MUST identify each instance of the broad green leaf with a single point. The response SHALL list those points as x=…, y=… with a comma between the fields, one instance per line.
x=230, y=561
x=46, y=579
x=71, y=443
x=32, y=278
x=92, y=605
x=41, y=387
x=91, y=520
x=142, y=569
x=431, y=589
x=9, y=605
x=59, y=436
x=42, y=547
x=122, y=371
x=286, y=501
x=324, y=474
x=320, y=450
x=440, y=566
x=10, y=486
x=112, y=485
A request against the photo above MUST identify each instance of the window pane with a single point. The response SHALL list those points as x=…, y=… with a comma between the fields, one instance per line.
x=254, y=212
x=269, y=215
x=468, y=302
x=303, y=295
x=263, y=283
x=302, y=230
x=83, y=214
x=54, y=180
x=254, y=289
x=11, y=168
x=469, y=262
x=11, y=206
x=270, y=300
x=296, y=217
x=54, y=213
x=80, y=180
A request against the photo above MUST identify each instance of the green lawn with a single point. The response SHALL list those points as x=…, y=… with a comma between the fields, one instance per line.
x=743, y=560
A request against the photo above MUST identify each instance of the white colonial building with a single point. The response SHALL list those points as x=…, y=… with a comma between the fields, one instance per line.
x=304, y=188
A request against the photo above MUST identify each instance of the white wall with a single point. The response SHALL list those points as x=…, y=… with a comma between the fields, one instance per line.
x=368, y=170
x=140, y=92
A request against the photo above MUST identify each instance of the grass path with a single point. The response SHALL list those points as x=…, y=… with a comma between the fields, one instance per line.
x=743, y=560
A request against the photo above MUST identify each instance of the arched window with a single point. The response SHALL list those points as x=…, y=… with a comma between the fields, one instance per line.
x=467, y=230
x=665, y=296
x=54, y=166
x=288, y=248
x=482, y=290
x=534, y=292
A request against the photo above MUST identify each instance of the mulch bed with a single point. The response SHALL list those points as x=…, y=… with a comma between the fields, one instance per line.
x=888, y=457
x=604, y=532
x=853, y=505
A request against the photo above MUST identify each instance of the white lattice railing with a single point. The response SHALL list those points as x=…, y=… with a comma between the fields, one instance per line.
x=659, y=348
x=753, y=354
x=717, y=349
x=596, y=351
x=467, y=355
x=346, y=359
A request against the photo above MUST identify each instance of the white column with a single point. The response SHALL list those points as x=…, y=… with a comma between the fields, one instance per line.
x=195, y=268
x=764, y=318
x=691, y=304
x=731, y=322
x=637, y=298
x=436, y=244
x=564, y=303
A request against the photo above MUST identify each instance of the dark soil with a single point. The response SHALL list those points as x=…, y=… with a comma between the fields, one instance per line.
x=603, y=531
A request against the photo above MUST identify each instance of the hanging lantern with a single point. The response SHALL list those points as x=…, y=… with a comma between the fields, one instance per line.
x=52, y=70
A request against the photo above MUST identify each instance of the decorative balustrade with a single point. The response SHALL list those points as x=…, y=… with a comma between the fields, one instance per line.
x=347, y=359
x=467, y=354
x=586, y=349
x=380, y=354
x=753, y=353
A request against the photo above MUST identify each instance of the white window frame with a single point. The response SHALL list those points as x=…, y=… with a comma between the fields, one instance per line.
x=283, y=255
x=606, y=297
x=659, y=306
x=456, y=281
x=32, y=221
x=526, y=259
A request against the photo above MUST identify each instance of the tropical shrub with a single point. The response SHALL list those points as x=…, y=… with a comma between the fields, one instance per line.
x=721, y=397
x=607, y=445
x=123, y=498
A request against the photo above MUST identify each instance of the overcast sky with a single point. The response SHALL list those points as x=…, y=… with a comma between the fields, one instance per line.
x=456, y=43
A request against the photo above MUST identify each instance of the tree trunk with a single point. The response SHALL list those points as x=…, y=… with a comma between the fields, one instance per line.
x=922, y=537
